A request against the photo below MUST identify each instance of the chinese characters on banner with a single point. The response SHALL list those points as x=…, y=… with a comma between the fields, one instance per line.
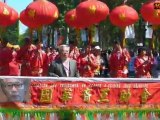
x=51, y=92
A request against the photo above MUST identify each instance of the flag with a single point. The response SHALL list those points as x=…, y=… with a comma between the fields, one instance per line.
x=129, y=31
x=149, y=30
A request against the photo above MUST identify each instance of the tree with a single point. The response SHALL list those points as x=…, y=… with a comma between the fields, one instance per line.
x=11, y=33
x=113, y=32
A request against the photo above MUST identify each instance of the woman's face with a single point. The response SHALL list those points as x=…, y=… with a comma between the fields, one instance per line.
x=143, y=52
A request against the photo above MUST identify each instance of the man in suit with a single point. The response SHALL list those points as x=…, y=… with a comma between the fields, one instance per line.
x=63, y=66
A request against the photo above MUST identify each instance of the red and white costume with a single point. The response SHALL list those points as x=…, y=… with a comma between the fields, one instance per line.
x=118, y=63
x=24, y=57
x=14, y=66
x=143, y=66
x=39, y=63
x=87, y=65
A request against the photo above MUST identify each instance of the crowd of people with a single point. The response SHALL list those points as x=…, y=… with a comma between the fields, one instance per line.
x=70, y=61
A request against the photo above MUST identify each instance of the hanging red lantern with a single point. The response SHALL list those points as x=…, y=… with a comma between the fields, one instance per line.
x=5, y=13
x=11, y=20
x=71, y=18
x=123, y=16
x=72, y=21
x=92, y=11
x=26, y=20
x=42, y=11
x=150, y=13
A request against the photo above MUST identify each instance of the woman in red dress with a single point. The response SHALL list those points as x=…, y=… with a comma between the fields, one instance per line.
x=87, y=63
x=143, y=63
x=118, y=61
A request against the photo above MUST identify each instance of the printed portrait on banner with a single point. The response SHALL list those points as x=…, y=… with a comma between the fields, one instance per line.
x=14, y=90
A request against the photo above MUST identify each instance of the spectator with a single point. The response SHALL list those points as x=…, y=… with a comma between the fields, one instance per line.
x=155, y=70
x=131, y=67
x=104, y=71
x=64, y=66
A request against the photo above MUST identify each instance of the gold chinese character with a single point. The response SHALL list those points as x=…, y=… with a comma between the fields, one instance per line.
x=31, y=13
x=92, y=9
x=103, y=95
x=87, y=95
x=5, y=11
x=144, y=96
x=125, y=96
x=66, y=95
x=46, y=96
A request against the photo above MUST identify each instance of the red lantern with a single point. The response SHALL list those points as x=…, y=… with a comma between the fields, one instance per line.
x=5, y=13
x=11, y=20
x=42, y=11
x=26, y=20
x=92, y=11
x=123, y=16
x=149, y=13
x=72, y=21
x=71, y=18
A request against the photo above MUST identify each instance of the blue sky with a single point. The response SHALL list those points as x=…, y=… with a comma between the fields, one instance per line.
x=19, y=5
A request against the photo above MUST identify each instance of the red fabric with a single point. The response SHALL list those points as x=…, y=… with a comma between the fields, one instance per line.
x=149, y=13
x=123, y=16
x=141, y=69
x=119, y=66
x=24, y=57
x=136, y=91
x=86, y=68
x=51, y=57
x=14, y=66
x=74, y=54
x=39, y=62
x=5, y=59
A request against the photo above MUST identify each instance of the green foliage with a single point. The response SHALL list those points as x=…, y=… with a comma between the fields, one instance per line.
x=11, y=33
x=63, y=7
x=108, y=32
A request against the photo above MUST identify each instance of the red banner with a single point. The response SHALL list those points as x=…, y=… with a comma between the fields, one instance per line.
x=94, y=93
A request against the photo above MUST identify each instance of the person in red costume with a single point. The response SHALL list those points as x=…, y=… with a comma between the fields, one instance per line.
x=39, y=62
x=74, y=51
x=24, y=57
x=53, y=55
x=87, y=63
x=118, y=61
x=143, y=63
x=14, y=65
x=5, y=58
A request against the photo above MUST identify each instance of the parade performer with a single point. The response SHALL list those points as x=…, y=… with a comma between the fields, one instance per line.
x=14, y=65
x=39, y=62
x=143, y=63
x=87, y=63
x=53, y=55
x=74, y=53
x=24, y=57
x=5, y=58
x=118, y=61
